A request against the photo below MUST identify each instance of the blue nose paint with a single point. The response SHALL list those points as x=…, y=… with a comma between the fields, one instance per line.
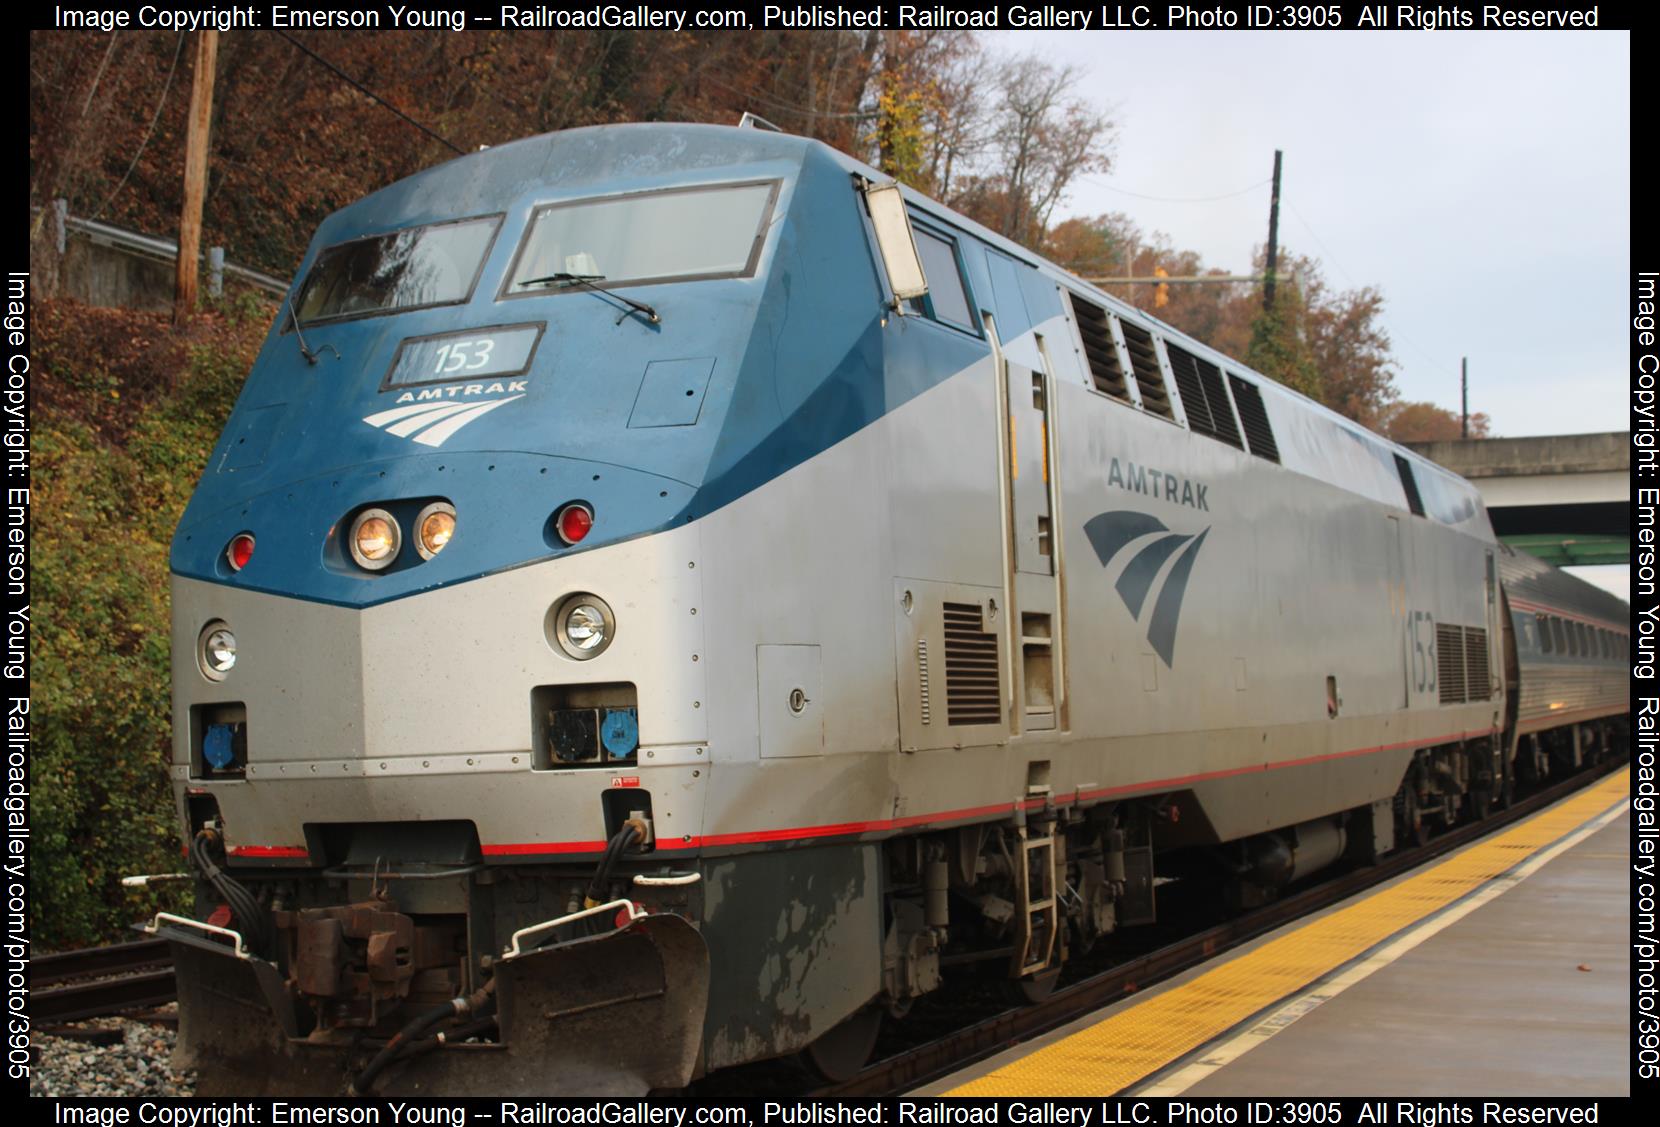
x=620, y=732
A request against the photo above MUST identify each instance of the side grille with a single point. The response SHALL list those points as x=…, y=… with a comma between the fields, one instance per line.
x=1449, y=663
x=1259, y=436
x=1193, y=393
x=1144, y=358
x=972, y=691
x=1479, y=680
x=1203, y=397
x=1096, y=332
x=1221, y=411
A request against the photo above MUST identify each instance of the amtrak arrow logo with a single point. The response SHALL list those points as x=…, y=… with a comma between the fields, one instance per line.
x=1110, y=533
x=431, y=424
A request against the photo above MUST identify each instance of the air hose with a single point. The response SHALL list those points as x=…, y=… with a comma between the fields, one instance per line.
x=480, y=1002
x=251, y=917
x=632, y=832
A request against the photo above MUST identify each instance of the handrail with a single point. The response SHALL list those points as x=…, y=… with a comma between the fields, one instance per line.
x=154, y=928
x=513, y=950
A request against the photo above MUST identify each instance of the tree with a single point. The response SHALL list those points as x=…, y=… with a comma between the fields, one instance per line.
x=1279, y=347
x=1414, y=421
x=1039, y=142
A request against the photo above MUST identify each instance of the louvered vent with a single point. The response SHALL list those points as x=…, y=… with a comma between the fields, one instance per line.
x=1144, y=358
x=1259, y=436
x=1186, y=370
x=1414, y=500
x=1221, y=411
x=1203, y=397
x=972, y=692
x=1449, y=663
x=1479, y=683
x=922, y=679
x=1095, y=329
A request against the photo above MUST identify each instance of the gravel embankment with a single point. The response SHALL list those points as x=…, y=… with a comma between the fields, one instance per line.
x=140, y=1065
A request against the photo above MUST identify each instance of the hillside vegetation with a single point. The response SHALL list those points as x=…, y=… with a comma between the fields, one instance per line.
x=126, y=410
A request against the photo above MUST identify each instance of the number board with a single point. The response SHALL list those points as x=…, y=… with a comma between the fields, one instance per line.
x=502, y=350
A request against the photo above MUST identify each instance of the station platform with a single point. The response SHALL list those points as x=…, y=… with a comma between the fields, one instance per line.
x=1500, y=970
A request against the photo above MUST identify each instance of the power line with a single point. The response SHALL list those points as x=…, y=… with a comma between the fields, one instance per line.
x=1414, y=345
x=865, y=115
x=1175, y=199
x=355, y=84
x=161, y=101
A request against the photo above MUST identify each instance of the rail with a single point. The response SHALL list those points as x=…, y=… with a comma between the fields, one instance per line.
x=98, y=981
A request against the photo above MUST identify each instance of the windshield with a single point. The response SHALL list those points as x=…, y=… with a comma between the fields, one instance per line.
x=682, y=234
x=408, y=269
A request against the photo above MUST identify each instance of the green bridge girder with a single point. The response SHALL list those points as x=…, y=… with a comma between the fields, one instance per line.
x=1573, y=550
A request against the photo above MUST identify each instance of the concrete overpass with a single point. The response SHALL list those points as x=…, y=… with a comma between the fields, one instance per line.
x=1565, y=498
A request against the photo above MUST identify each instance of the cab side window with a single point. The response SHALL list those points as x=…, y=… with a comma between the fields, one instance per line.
x=947, y=297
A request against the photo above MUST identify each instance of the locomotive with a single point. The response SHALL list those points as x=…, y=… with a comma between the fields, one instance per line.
x=666, y=598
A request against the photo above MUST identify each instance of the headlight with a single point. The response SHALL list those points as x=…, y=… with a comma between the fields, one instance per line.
x=582, y=626
x=433, y=528
x=216, y=650
x=375, y=539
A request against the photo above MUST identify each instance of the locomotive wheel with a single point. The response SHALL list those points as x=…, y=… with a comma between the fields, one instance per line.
x=842, y=1052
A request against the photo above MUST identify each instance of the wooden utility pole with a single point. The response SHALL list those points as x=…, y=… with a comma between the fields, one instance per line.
x=195, y=174
x=1464, y=396
x=1273, y=239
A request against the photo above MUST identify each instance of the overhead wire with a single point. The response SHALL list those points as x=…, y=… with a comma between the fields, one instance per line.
x=160, y=102
x=857, y=115
x=1434, y=360
x=362, y=89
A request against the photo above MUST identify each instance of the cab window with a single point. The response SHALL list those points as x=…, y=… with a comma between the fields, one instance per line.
x=947, y=296
x=415, y=268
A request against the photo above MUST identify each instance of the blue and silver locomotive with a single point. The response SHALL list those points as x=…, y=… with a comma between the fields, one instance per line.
x=666, y=598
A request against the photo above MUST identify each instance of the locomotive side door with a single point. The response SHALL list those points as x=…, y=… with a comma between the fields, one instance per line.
x=1025, y=395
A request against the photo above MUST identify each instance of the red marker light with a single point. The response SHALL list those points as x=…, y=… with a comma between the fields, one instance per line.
x=573, y=522
x=239, y=551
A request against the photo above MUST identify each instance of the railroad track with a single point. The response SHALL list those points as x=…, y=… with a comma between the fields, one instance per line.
x=100, y=981
x=945, y=1055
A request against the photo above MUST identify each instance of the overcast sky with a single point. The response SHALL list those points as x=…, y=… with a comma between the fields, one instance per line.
x=1480, y=180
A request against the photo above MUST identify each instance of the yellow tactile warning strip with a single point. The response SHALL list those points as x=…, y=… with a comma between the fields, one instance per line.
x=1135, y=1042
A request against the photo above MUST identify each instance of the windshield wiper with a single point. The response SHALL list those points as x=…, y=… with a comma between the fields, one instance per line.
x=310, y=356
x=586, y=281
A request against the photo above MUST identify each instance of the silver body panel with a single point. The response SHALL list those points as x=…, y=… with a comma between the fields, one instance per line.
x=419, y=708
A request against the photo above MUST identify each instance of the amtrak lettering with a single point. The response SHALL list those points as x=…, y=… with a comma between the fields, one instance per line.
x=1110, y=533
x=497, y=388
x=1155, y=483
